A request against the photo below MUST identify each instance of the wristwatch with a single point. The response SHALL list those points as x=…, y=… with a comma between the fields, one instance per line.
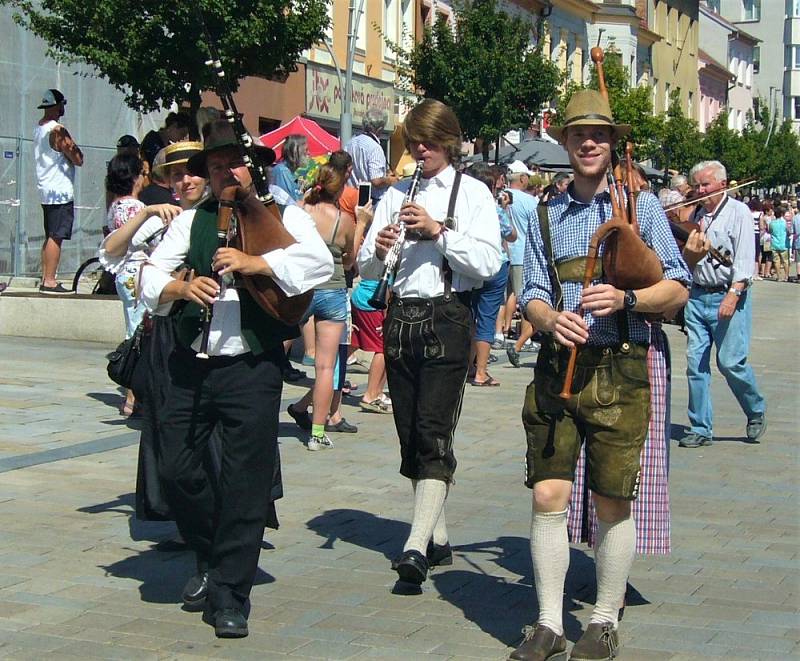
x=735, y=292
x=630, y=299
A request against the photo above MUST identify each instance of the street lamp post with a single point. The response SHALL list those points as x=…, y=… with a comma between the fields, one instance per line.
x=346, y=121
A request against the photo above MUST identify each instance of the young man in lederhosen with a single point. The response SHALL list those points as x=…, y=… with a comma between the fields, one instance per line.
x=452, y=244
x=608, y=407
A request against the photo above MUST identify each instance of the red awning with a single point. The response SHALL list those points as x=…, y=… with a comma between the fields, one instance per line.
x=319, y=140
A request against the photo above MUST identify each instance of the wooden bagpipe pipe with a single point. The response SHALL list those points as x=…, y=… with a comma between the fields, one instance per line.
x=248, y=218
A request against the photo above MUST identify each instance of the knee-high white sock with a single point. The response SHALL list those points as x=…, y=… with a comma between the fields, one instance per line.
x=614, y=551
x=440, y=529
x=429, y=497
x=550, y=554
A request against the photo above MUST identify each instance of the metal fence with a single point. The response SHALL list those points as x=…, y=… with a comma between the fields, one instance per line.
x=21, y=225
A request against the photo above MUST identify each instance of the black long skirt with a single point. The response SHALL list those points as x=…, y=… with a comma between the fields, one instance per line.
x=151, y=387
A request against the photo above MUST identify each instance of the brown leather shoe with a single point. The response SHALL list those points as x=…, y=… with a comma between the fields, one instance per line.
x=540, y=644
x=600, y=642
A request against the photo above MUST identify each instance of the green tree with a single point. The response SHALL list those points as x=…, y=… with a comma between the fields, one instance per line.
x=680, y=139
x=154, y=51
x=629, y=105
x=740, y=153
x=485, y=69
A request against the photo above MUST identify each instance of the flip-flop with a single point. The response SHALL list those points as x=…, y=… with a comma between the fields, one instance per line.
x=490, y=381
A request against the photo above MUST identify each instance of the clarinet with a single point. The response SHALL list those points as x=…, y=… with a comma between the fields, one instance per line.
x=392, y=259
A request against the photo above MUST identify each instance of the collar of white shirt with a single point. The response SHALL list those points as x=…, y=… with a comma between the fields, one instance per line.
x=442, y=180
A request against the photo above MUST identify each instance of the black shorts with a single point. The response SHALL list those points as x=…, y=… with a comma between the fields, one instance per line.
x=58, y=219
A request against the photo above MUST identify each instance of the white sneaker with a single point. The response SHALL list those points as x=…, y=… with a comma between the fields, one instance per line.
x=319, y=443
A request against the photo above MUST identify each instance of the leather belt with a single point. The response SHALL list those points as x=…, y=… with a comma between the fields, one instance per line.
x=713, y=289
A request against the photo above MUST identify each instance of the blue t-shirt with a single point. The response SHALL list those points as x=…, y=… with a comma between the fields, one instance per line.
x=777, y=228
x=523, y=213
x=363, y=291
x=283, y=178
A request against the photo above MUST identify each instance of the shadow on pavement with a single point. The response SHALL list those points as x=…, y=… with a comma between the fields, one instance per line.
x=500, y=605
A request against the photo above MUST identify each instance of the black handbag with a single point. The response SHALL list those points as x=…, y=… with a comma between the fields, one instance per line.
x=122, y=361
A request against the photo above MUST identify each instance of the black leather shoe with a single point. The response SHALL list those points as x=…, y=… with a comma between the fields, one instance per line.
x=438, y=555
x=540, y=644
x=230, y=623
x=195, y=592
x=412, y=567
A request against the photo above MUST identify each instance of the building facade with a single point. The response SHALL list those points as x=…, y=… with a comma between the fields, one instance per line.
x=675, y=53
x=776, y=67
x=728, y=45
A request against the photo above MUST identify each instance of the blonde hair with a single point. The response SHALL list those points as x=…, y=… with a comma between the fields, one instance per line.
x=328, y=185
x=434, y=123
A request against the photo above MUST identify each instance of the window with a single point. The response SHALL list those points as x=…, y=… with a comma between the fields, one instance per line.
x=690, y=106
x=796, y=106
x=390, y=26
x=713, y=5
x=667, y=91
x=796, y=8
x=751, y=10
x=795, y=57
x=756, y=58
x=655, y=92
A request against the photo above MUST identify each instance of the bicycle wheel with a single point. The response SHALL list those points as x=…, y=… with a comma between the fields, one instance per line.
x=88, y=278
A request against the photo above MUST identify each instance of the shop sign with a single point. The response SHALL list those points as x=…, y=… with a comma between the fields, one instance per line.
x=324, y=96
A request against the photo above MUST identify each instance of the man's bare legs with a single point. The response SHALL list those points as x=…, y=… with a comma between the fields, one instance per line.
x=51, y=255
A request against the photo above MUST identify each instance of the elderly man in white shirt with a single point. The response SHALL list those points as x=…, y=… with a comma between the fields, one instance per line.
x=369, y=160
x=238, y=386
x=452, y=244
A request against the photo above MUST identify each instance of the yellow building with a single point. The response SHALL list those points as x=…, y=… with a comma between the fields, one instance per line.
x=674, y=56
x=316, y=89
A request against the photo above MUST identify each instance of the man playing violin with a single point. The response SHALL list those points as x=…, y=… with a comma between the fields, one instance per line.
x=238, y=386
x=609, y=404
x=719, y=308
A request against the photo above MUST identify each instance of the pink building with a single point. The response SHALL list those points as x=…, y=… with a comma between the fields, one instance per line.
x=715, y=80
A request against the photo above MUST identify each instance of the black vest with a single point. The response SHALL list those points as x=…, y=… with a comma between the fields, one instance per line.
x=261, y=331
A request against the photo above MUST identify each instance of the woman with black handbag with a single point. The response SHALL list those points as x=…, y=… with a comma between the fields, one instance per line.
x=157, y=339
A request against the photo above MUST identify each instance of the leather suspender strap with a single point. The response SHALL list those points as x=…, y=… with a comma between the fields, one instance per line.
x=547, y=245
x=450, y=223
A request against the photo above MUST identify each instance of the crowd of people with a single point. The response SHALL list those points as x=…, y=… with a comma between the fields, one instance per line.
x=491, y=258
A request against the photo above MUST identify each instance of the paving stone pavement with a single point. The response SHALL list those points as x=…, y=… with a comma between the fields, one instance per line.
x=80, y=578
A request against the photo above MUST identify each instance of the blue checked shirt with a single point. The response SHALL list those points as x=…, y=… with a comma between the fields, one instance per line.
x=572, y=224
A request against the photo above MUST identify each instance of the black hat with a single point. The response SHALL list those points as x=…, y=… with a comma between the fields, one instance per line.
x=50, y=98
x=127, y=142
x=221, y=136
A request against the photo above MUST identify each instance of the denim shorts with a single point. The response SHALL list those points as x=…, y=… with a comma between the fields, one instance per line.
x=328, y=305
x=486, y=303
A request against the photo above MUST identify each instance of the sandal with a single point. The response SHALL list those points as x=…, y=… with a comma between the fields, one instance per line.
x=376, y=406
x=489, y=381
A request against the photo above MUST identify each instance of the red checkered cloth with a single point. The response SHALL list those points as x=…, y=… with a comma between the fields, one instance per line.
x=651, y=508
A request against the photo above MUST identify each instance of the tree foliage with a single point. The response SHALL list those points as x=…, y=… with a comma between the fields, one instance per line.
x=484, y=67
x=154, y=51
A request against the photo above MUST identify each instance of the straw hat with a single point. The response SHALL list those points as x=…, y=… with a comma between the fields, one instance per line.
x=588, y=108
x=175, y=154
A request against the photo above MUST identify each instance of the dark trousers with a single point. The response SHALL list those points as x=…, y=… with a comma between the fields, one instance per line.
x=427, y=344
x=222, y=522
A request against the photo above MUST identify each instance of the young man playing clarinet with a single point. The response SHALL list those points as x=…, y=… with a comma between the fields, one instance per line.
x=238, y=386
x=452, y=244
x=608, y=405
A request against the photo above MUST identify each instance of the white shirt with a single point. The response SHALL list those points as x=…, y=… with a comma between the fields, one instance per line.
x=369, y=162
x=472, y=248
x=55, y=173
x=298, y=268
x=731, y=230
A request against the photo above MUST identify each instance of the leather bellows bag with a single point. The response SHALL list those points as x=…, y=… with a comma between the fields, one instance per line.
x=122, y=361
